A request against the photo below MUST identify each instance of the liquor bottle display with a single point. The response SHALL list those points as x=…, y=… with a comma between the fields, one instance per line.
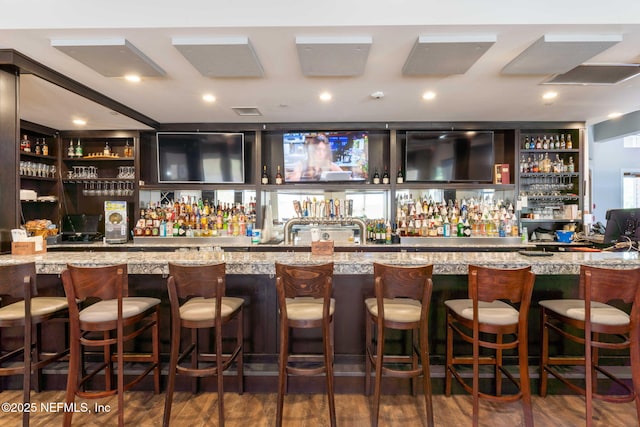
x=191, y=217
x=399, y=177
x=279, y=179
x=550, y=184
x=265, y=176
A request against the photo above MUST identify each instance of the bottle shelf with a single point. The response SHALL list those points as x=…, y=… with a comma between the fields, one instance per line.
x=37, y=156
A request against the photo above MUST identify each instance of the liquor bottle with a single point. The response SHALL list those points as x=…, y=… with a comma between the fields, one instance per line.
x=571, y=167
x=526, y=143
x=569, y=143
x=128, y=151
x=385, y=176
x=106, y=151
x=279, y=179
x=538, y=143
x=376, y=177
x=27, y=144
x=265, y=176
x=79, y=149
x=71, y=152
x=563, y=144
x=545, y=143
x=399, y=177
x=23, y=142
x=45, y=147
x=38, y=148
x=556, y=145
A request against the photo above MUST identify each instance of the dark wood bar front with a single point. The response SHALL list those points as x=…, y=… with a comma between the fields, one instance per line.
x=250, y=275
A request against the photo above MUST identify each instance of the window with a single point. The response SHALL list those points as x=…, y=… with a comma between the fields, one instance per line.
x=630, y=189
x=370, y=204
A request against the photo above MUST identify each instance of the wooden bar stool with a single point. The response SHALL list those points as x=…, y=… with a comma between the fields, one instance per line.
x=197, y=297
x=18, y=282
x=593, y=322
x=304, y=301
x=403, y=296
x=114, y=319
x=485, y=313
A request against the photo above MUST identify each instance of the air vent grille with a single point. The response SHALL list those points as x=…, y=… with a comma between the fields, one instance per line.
x=247, y=111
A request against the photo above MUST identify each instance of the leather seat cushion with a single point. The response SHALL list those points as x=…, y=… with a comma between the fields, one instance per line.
x=39, y=306
x=601, y=313
x=107, y=310
x=307, y=308
x=205, y=308
x=396, y=309
x=490, y=313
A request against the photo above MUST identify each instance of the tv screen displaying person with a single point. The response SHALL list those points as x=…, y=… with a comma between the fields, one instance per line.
x=318, y=160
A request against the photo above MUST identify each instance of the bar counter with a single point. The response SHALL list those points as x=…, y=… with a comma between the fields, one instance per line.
x=250, y=275
x=346, y=263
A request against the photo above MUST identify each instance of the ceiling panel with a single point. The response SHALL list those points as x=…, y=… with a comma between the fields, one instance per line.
x=333, y=56
x=221, y=57
x=442, y=55
x=113, y=57
x=557, y=54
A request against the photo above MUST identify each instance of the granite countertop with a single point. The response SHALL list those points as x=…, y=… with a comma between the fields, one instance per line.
x=345, y=262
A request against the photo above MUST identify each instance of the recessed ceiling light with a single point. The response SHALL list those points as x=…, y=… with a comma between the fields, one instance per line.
x=133, y=78
x=325, y=96
x=79, y=122
x=429, y=95
x=207, y=97
x=614, y=115
x=549, y=95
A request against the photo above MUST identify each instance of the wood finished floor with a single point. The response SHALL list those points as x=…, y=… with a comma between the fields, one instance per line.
x=301, y=410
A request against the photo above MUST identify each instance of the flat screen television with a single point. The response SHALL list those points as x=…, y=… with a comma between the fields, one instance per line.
x=326, y=156
x=622, y=224
x=449, y=156
x=202, y=157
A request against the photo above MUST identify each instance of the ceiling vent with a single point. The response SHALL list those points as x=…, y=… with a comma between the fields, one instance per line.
x=601, y=74
x=444, y=55
x=247, y=111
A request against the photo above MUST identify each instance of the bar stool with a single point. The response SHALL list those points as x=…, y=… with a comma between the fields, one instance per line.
x=95, y=325
x=607, y=328
x=197, y=297
x=18, y=281
x=485, y=313
x=403, y=296
x=304, y=300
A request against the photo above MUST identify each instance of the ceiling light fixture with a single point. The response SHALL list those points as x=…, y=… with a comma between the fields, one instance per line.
x=614, y=115
x=133, y=78
x=207, y=97
x=79, y=122
x=428, y=96
x=325, y=96
x=549, y=95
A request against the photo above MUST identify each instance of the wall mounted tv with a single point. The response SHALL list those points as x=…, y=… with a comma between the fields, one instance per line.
x=326, y=156
x=449, y=156
x=202, y=157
